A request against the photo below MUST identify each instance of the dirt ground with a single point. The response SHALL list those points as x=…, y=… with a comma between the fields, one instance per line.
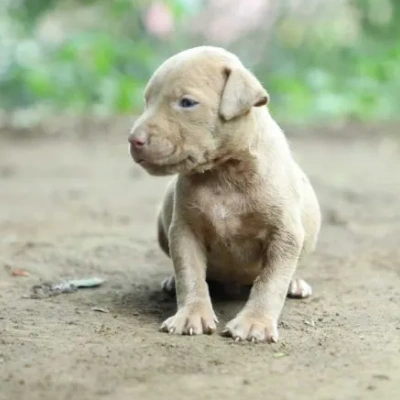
x=79, y=208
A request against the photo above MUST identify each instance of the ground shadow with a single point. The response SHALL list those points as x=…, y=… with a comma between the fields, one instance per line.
x=154, y=303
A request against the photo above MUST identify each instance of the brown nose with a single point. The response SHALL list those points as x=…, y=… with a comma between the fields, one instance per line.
x=138, y=140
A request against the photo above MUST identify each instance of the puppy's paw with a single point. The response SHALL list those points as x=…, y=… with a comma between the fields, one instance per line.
x=255, y=329
x=194, y=319
x=299, y=289
x=168, y=285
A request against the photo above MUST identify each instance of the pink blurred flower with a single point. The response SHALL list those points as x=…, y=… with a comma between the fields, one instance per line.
x=228, y=20
x=159, y=20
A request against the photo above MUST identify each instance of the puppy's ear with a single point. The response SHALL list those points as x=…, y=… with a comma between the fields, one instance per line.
x=242, y=92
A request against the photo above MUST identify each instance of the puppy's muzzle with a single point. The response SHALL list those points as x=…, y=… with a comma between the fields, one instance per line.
x=139, y=142
x=149, y=148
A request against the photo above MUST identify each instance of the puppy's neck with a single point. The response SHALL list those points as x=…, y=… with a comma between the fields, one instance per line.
x=237, y=163
x=237, y=172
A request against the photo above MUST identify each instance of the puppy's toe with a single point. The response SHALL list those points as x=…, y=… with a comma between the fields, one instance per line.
x=299, y=289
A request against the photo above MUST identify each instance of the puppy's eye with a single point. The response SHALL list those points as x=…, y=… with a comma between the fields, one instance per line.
x=187, y=103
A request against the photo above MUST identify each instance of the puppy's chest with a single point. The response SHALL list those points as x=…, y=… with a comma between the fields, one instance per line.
x=227, y=215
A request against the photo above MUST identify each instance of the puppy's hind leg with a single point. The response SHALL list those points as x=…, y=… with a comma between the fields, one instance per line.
x=167, y=284
x=162, y=237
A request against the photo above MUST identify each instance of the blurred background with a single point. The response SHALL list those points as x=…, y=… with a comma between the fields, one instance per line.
x=73, y=204
x=321, y=60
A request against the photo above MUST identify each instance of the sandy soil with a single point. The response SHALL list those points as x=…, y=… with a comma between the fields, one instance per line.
x=79, y=208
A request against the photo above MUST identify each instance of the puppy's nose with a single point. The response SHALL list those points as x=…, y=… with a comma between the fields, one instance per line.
x=138, y=140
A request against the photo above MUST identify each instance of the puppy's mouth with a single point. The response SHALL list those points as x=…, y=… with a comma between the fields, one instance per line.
x=143, y=162
x=163, y=162
x=164, y=166
x=160, y=163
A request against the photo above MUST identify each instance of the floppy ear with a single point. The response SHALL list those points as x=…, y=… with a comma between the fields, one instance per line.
x=242, y=92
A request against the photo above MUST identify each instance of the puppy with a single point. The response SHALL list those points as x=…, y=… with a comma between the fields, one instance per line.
x=240, y=210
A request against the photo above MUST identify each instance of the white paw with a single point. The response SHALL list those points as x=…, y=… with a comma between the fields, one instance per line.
x=168, y=285
x=195, y=319
x=254, y=329
x=299, y=289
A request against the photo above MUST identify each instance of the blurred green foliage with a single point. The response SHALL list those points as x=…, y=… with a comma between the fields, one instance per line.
x=359, y=79
x=104, y=69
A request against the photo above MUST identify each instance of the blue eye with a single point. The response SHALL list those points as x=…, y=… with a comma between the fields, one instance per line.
x=187, y=103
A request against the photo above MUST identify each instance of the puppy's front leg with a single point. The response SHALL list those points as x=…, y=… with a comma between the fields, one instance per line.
x=195, y=314
x=258, y=320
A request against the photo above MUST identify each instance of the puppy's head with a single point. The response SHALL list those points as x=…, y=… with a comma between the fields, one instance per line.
x=197, y=106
